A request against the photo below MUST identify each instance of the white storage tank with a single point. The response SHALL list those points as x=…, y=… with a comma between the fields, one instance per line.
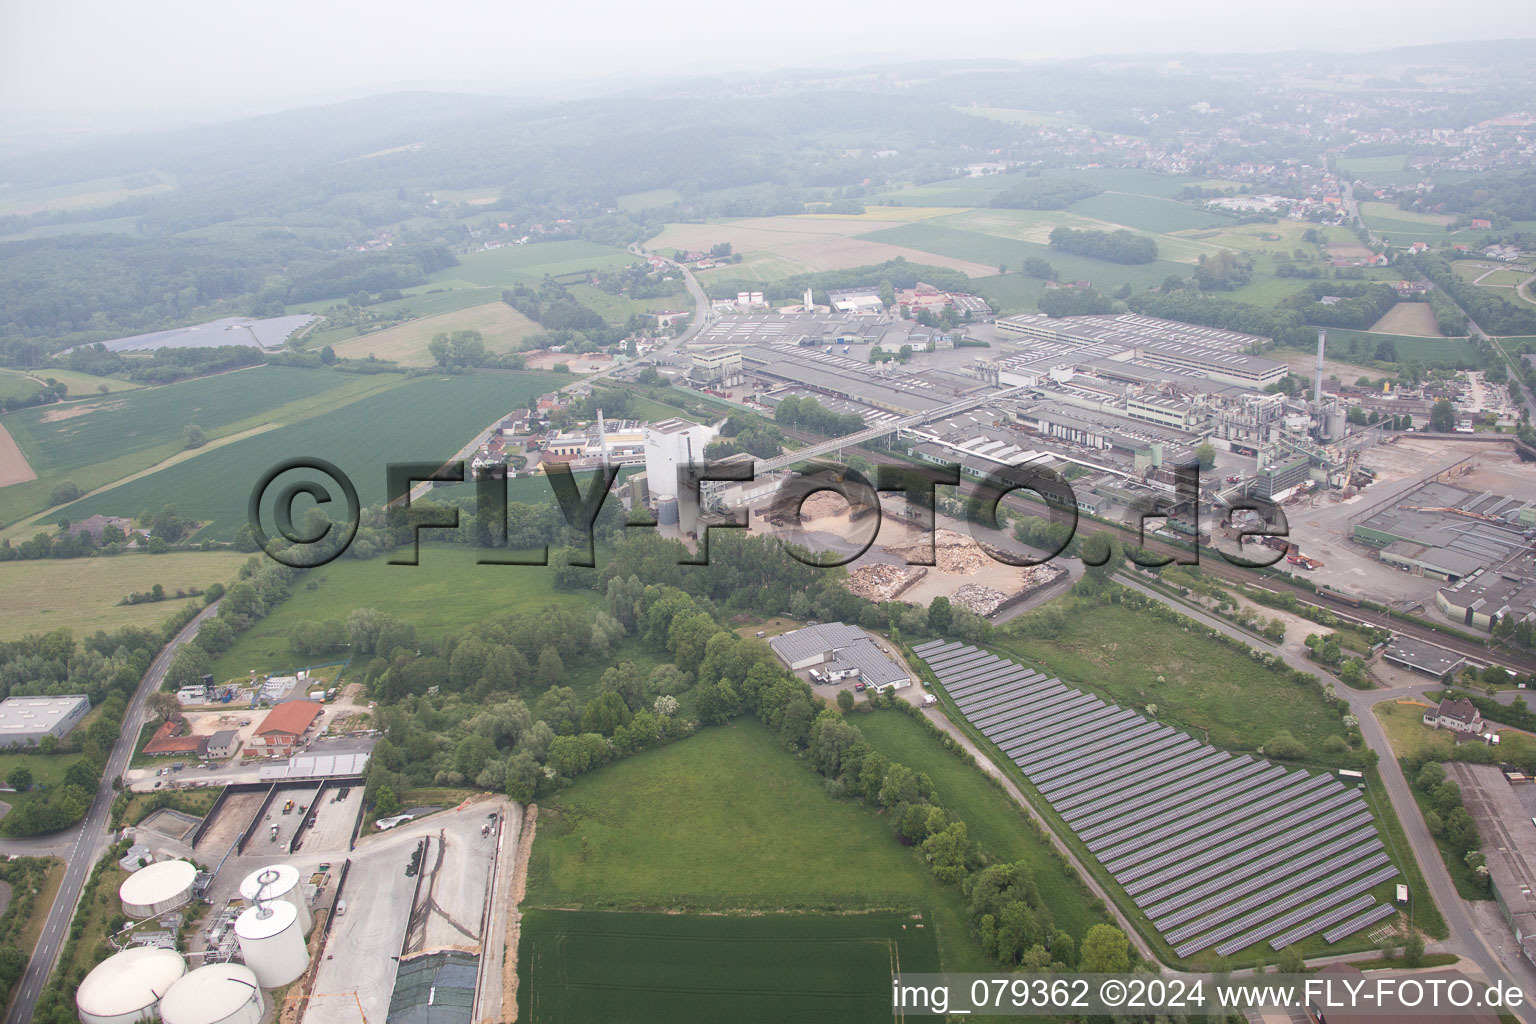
x=215, y=994
x=128, y=986
x=284, y=884
x=157, y=888
x=272, y=943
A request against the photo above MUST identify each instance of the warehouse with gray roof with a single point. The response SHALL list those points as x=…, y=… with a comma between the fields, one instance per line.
x=25, y=721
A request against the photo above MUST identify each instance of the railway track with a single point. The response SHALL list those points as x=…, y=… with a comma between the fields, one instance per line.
x=1214, y=565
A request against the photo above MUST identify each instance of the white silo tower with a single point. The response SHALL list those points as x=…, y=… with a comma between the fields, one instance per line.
x=157, y=888
x=127, y=986
x=285, y=884
x=215, y=994
x=272, y=943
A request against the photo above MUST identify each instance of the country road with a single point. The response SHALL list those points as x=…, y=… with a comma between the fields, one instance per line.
x=84, y=844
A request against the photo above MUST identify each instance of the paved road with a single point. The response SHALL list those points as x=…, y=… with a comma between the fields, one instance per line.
x=84, y=844
x=1466, y=939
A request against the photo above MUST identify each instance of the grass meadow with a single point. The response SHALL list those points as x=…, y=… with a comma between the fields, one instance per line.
x=1429, y=351
x=83, y=593
x=503, y=328
x=726, y=820
x=446, y=591
x=1197, y=683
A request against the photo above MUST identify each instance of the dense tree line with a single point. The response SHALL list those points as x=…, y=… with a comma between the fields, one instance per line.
x=92, y=287
x=106, y=668
x=809, y=414
x=1492, y=312
x=1059, y=302
x=1118, y=246
x=1447, y=818
x=1500, y=198
x=25, y=876
x=1007, y=913
x=1286, y=327
x=1358, y=306
x=751, y=434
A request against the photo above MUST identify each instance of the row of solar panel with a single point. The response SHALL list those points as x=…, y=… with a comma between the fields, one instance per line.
x=1365, y=920
x=1236, y=817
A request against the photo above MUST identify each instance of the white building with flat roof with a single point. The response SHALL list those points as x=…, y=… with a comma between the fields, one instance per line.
x=671, y=445
x=24, y=721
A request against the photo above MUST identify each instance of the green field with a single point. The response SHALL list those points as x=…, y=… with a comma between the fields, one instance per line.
x=17, y=385
x=503, y=328
x=575, y=967
x=1148, y=213
x=421, y=419
x=617, y=309
x=1381, y=170
x=997, y=825
x=648, y=199
x=501, y=267
x=80, y=195
x=1197, y=683
x=445, y=592
x=83, y=593
x=423, y=300
x=1012, y=115
x=995, y=251
x=1429, y=351
x=83, y=385
x=100, y=441
x=61, y=438
x=727, y=820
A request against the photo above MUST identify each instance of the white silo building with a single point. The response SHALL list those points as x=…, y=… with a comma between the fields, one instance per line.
x=157, y=888
x=671, y=445
x=272, y=943
x=128, y=986
x=215, y=994
x=284, y=884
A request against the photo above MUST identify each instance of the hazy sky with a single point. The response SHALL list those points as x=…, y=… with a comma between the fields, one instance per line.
x=93, y=64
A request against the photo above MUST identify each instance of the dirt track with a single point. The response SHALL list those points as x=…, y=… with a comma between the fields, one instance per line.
x=509, y=977
x=14, y=468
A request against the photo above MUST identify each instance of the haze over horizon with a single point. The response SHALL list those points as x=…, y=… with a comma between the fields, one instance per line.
x=83, y=65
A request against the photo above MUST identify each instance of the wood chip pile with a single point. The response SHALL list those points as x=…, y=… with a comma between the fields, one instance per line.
x=979, y=599
x=880, y=582
x=954, y=553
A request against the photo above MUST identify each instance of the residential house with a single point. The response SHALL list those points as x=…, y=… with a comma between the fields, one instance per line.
x=1456, y=715
x=222, y=744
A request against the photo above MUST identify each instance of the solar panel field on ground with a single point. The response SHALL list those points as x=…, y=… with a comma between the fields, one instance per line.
x=1219, y=850
x=600, y=966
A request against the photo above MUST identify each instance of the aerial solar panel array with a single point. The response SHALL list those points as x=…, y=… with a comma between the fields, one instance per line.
x=1219, y=850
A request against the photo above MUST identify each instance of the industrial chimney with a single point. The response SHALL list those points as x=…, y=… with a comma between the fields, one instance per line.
x=1317, y=385
x=602, y=437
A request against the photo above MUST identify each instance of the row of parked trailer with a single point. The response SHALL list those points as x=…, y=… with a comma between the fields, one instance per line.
x=1219, y=850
